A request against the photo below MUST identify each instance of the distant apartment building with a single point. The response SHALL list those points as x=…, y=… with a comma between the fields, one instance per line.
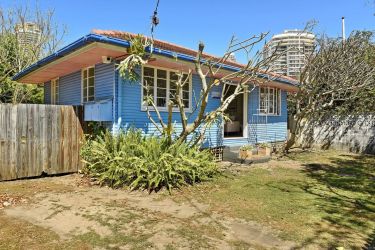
x=28, y=33
x=292, y=48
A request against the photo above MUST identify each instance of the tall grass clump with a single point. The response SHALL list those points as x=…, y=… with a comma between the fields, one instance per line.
x=145, y=162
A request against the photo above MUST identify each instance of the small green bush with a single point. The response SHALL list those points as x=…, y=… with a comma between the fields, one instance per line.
x=263, y=145
x=247, y=147
x=131, y=159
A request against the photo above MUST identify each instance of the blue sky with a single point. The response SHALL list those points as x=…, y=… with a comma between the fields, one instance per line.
x=214, y=22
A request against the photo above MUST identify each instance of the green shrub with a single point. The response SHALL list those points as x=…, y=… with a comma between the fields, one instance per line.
x=263, y=145
x=247, y=147
x=131, y=159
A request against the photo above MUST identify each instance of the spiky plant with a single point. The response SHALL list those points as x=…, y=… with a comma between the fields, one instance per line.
x=139, y=162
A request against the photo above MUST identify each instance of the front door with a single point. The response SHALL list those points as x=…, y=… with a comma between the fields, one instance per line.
x=236, y=112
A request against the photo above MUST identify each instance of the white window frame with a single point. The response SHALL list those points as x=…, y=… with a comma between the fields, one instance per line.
x=55, y=95
x=175, y=109
x=276, y=102
x=82, y=82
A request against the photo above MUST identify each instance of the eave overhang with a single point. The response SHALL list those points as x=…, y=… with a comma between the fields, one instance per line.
x=89, y=50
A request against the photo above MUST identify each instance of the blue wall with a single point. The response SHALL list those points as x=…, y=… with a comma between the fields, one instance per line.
x=130, y=110
x=70, y=89
x=260, y=128
x=267, y=128
x=104, y=80
x=128, y=98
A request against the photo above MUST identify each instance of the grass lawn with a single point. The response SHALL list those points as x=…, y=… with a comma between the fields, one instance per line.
x=312, y=199
x=322, y=199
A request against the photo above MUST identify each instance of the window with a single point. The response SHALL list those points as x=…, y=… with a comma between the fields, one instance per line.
x=88, y=84
x=55, y=91
x=269, y=101
x=161, y=85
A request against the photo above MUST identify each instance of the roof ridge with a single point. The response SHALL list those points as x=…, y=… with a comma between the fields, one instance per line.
x=119, y=32
x=181, y=49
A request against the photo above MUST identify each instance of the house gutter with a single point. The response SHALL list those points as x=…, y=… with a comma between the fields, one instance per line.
x=91, y=38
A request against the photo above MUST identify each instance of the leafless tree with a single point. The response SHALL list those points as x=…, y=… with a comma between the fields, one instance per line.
x=211, y=72
x=26, y=35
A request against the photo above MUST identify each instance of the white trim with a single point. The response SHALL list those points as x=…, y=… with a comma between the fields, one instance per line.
x=245, y=122
x=279, y=103
x=83, y=69
x=114, y=94
x=53, y=90
x=234, y=138
x=245, y=113
x=164, y=109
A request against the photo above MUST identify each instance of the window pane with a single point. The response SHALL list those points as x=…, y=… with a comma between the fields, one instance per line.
x=56, y=91
x=162, y=83
x=148, y=92
x=172, y=93
x=91, y=82
x=162, y=74
x=84, y=74
x=91, y=98
x=161, y=102
x=148, y=71
x=91, y=72
x=271, y=107
x=85, y=81
x=185, y=95
x=173, y=76
x=263, y=100
x=185, y=78
x=186, y=87
x=186, y=103
x=278, y=101
x=84, y=90
x=172, y=86
x=161, y=92
x=91, y=91
x=148, y=81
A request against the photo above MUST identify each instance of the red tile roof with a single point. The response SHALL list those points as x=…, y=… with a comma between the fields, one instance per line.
x=180, y=49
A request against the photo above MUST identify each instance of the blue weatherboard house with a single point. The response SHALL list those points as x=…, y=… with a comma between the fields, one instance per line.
x=84, y=73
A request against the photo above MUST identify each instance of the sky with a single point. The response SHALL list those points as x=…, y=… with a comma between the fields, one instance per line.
x=213, y=22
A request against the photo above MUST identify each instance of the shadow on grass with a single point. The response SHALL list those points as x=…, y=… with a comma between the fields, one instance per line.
x=345, y=191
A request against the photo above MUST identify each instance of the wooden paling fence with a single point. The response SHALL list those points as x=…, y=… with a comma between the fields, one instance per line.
x=37, y=139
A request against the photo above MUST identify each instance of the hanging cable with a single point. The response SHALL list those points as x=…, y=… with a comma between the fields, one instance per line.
x=154, y=19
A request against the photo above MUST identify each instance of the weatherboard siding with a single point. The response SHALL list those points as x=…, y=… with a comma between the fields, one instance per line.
x=70, y=86
x=260, y=128
x=266, y=128
x=70, y=89
x=131, y=113
x=128, y=107
x=104, y=80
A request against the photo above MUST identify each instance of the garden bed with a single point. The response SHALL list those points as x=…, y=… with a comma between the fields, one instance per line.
x=255, y=153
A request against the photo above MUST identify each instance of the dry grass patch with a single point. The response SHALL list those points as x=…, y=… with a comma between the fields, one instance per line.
x=323, y=199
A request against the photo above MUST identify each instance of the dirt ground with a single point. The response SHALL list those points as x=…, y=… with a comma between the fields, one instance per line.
x=72, y=214
x=307, y=200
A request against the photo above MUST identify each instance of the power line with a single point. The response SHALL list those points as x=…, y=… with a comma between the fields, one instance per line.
x=154, y=19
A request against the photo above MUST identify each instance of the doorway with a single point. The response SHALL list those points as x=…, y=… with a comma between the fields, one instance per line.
x=236, y=112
